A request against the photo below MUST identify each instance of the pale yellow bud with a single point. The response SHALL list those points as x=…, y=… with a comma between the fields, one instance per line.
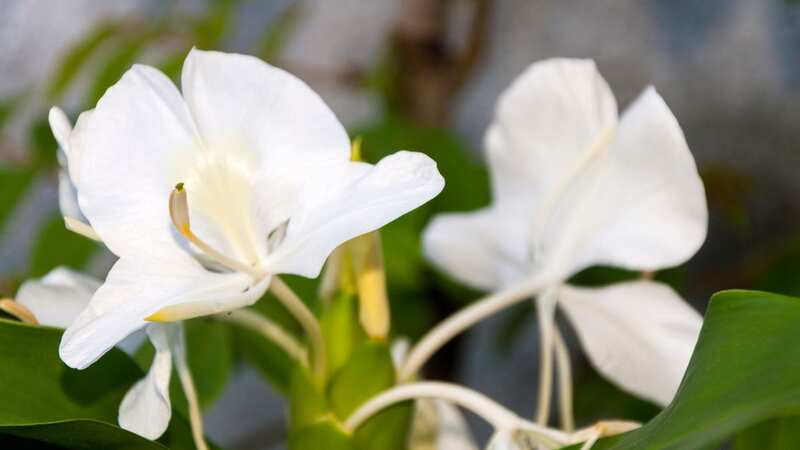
x=371, y=283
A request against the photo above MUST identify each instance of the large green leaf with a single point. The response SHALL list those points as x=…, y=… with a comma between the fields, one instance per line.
x=73, y=434
x=774, y=434
x=745, y=370
x=323, y=434
x=45, y=404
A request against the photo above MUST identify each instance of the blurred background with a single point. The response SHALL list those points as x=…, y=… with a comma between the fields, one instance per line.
x=424, y=75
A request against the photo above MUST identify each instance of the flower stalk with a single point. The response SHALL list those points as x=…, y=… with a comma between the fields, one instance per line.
x=306, y=319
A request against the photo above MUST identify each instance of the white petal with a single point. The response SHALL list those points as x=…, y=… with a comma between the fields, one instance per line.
x=77, y=142
x=134, y=290
x=350, y=202
x=483, y=249
x=61, y=127
x=641, y=206
x=58, y=298
x=68, y=197
x=639, y=334
x=546, y=121
x=127, y=165
x=240, y=102
x=439, y=425
x=146, y=408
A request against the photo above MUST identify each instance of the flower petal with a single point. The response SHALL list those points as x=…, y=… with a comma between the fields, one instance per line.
x=639, y=334
x=545, y=123
x=439, y=425
x=641, y=206
x=349, y=202
x=61, y=127
x=483, y=249
x=58, y=298
x=146, y=409
x=134, y=290
x=129, y=145
x=289, y=133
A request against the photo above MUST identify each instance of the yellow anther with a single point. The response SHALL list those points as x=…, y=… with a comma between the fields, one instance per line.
x=15, y=309
x=355, y=149
x=179, y=213
x=179, y=210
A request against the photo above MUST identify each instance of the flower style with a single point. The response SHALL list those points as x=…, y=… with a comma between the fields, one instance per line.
x=59, y=297
x=575, y=186
x=265, y=186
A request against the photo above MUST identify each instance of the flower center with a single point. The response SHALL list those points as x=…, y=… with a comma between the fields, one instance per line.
x=179, y=213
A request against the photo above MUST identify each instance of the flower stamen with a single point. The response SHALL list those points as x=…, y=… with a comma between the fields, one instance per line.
x=179, y=213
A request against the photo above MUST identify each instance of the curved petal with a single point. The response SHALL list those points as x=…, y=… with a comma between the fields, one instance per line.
x=290, y=134
x=61, y=127
x=129, y=145
x=146, y=409
x=349, y=202
x=545, y=123
x=639, y=334
x=641, y=206
x=483, y=249
x=58, y=298
x=438, y=425
x=68, y=197
x=134, y=290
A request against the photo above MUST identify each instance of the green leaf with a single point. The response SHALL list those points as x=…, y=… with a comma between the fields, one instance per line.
x=37, y=387
x=74, y=59
x=745, y=370
x=73, y=434
x=306, y=400
x=46, y=402
x=324, y=434
x=342, y=330
x=775, y=434
x=57, y=246
x=13, y=184
x=369, y=372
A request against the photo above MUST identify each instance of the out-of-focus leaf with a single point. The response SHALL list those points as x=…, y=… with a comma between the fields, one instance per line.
x=323, y=434
x=342, y=331
x=43, y=143
x=13, y=184
x=369, y=372
x=776, y=434
x=57, y=246
x=124, y=55
x=277, y=32
x=745, y=370
x=307, y=402
x=209, y=30
x=73, y=60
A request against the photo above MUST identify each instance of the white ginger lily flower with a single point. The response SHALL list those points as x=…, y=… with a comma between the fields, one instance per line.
x=59, y=297
x=266, y=187
x=574, y=186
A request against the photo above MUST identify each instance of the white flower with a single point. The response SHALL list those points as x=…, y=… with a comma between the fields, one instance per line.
x=268, y=188
x=59, y=297
x=576, y=186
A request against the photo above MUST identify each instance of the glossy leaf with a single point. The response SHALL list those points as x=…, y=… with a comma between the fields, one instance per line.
x=342, y=331
x=46, y=404
x=745, y=370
